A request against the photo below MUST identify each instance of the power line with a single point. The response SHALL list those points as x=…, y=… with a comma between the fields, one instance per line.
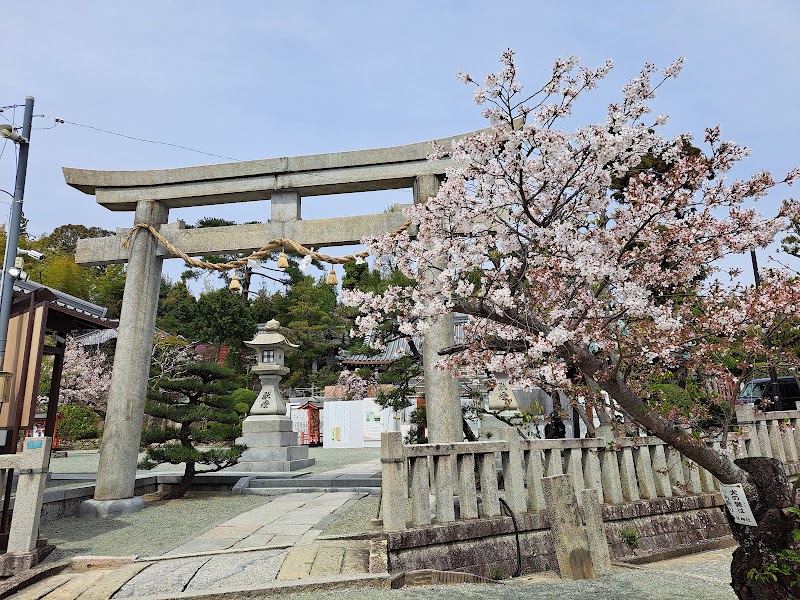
x=138, y=139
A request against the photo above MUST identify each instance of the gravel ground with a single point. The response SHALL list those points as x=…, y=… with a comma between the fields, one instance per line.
x=160, y=527
x=702, y=576
x=355, y=519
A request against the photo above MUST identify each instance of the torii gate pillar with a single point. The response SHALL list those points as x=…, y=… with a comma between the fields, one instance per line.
x=442, y=396
x=116, y=474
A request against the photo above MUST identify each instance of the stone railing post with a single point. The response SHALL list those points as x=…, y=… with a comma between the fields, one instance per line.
x=661, y=473
x=691, y=471
x=512, y=470
x=444, y=487
x=534, y=472
x=490, y=503
x=467, y=490
x=592, y=471
x=675, y=468
x=627, y=473
x=575, y=470
x=554, y=462
x=745, y=417
x=644, y=472
x=612, y=484
x=795, y=421
x=394, y=484
x=595, y=531
x=762, y=431
x=420, y=491
x=789, y=445
x=33, y=466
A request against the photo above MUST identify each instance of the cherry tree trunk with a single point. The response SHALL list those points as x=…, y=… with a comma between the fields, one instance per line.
x=759, y=545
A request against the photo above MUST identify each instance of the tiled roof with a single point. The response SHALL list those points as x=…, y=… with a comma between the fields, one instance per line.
x=398, y=348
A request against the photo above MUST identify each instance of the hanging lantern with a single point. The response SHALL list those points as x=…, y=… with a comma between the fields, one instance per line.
x=332, y=279
x=283, y=262
x=234, y=285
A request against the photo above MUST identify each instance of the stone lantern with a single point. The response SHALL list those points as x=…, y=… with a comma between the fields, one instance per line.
x=270, y=345
x=267, y=431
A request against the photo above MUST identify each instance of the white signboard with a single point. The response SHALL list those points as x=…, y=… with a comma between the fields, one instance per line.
x=737, y=504
x=342, y=426
x=373, y=427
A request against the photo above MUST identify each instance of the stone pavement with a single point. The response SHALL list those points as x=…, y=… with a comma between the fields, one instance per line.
x=273, y=545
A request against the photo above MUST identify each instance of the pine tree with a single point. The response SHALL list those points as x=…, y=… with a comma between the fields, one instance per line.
x=200, y=403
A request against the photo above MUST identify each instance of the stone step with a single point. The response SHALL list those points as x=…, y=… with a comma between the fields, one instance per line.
x=257, y=482
x=266, y=486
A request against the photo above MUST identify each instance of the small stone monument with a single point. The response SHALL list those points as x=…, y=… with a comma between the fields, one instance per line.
x=502, y=397
x=267, y=432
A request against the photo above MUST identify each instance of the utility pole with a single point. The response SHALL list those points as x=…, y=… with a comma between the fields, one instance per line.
x=773, y=373
x=12, y=239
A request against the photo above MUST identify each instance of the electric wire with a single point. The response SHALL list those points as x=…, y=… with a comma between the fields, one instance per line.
x=138, y=139
x=55, y=123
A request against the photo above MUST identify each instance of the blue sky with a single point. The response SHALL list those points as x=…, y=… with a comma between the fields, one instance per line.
x=257, y=79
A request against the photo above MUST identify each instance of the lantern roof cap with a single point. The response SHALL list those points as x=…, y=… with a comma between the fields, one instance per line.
x=268, y=334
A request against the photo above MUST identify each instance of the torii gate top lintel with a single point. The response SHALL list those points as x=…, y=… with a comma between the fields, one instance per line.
x=312, y=175
x=284, y=181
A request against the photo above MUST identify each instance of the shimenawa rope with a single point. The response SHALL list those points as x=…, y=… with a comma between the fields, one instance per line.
x=257, y=255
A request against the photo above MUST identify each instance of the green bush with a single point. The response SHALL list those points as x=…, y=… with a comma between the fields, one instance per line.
x=77, y=424
x=630, y=537
x=243, y=399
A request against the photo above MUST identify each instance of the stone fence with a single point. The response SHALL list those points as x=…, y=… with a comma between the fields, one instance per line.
x=431, y=485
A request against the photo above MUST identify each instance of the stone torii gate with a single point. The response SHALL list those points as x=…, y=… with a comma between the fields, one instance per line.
x=284, y=181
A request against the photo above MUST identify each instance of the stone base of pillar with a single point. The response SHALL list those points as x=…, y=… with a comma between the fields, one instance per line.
x=271, y=446
x=12, y=563
x=110, y=508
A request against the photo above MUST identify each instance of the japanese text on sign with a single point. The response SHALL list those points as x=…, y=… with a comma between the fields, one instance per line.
x=737, y=504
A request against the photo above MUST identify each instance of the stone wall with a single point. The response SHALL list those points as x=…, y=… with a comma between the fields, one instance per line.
x=663, y=528
x=476, y=546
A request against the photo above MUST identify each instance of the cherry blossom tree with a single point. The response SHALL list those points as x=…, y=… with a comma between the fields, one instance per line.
x=355, y=387
x=588, y=261
x=85, y=378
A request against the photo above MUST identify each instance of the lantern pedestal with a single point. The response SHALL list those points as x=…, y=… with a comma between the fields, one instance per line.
x=271, y=445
